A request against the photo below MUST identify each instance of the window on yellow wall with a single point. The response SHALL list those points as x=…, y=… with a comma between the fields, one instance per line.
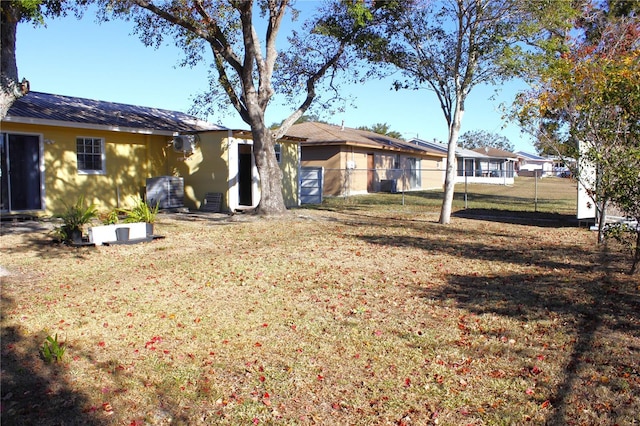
x=91, y=155
x=278, y=150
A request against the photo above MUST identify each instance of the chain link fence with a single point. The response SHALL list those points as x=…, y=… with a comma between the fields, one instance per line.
x=474, y=188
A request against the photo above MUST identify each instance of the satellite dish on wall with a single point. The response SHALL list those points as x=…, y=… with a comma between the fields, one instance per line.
x=184, y=143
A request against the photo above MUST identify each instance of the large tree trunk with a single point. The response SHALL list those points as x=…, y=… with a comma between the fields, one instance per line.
x=10, y=88
x=450, y=176
x=271, y=201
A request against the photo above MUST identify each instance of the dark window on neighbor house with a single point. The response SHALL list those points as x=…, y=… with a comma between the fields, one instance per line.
x=278, y=150
x=90, y=153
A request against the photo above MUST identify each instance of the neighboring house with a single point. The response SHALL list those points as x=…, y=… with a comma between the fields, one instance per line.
x=563, y=166
x=57, y=148
x=499, y=165
x=483, y=165
x=359, y=161
x=533, y=165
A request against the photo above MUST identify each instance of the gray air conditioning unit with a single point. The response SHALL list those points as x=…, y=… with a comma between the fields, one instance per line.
x=165, y=191
x=184, y=143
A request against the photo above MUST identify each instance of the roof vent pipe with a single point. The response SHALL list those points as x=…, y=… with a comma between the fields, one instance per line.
x=342, y=126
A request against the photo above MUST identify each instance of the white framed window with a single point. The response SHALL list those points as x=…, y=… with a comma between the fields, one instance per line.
x=278, y=150
x=91, y=156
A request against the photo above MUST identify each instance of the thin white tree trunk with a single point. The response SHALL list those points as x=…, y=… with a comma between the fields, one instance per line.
x=450, y=175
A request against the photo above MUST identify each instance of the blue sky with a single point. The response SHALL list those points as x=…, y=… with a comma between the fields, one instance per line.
x=106, y=62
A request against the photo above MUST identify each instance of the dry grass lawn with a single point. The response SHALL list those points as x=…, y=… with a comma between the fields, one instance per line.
x=351, y=314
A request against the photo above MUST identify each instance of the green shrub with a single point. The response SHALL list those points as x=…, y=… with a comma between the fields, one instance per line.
x=74, y=218
x=52, y=350
x=141, y=212
x=111, y=218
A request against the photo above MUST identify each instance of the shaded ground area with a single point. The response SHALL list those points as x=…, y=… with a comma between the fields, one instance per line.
x=519, y=217
x=33, y=393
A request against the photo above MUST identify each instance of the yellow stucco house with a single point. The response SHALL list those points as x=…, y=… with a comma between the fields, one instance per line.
x=56, y=148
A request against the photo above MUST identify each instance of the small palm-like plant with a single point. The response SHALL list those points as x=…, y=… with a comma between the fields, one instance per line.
x=141, y=212
x=52, y=350
x=74, y=218
x=111, y=218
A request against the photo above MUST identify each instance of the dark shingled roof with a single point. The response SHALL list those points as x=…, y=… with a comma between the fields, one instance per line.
x=318, y=134
x=38, y=107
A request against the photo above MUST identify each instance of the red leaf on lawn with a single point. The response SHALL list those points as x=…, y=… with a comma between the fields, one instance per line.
x=257, y=344
x=320, y=377
x=101, y=344
x=262, y=378
x=497, y=373
x=529, y=391
x=545, y=404
x=107, y=408
x=407, y=382
x=266, y=399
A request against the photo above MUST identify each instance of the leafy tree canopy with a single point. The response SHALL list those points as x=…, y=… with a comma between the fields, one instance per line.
x=483, y=139
x=588, y=96
x=382, y=129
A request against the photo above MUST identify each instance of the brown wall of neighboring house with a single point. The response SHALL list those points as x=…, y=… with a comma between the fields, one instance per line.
x=328, y=157
x=355, y=174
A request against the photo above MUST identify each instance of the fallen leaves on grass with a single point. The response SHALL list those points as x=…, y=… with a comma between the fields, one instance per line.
x=346, y=318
